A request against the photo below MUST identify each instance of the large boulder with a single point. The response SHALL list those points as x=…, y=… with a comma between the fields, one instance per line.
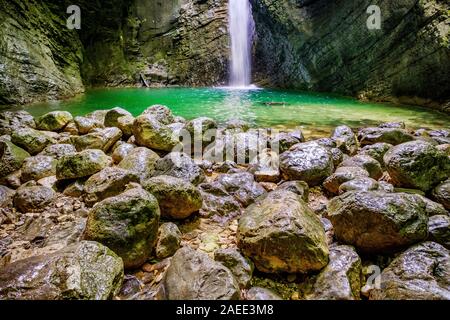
x=151, y=133
x=83, y=271
x=280, y=233
x=107, y=183
x=33, y=141
x=442, y=194
x=142, y=161
x=242, y=186
x=193, y=275
x=345, y=140
x=180, y=165
x=33, y=198
x=112, y=116
x=53, y=121
x=378, y=221
x=127, y=224
x=11, y=121
x=417, y=165
x=218, y=202
x=102, y=139
x=372, y=166
x=38, y=167
x=177, y=198
x=307, y=162
x=342, y=277
x=82, y=164
x=420, y=273
x=11, y=158
x=392, y=136
x=161, y=113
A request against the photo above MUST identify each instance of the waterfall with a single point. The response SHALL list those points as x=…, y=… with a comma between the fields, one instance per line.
x=241, y=27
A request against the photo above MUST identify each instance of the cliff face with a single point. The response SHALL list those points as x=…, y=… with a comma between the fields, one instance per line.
x=326, y=46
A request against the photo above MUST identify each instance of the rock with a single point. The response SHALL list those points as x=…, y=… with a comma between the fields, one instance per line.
x=266, y=167
x=102, y=139
x=107, y=183
x=49, y=182
x=241, y=267
x=420, y=273
x=376, y=151
x=392, y=136
x=75, y=189
x=258, y=293
x=11, y=158
x=161, y=113
x=193, y=275
x=417, y=165
x=121, y=152
x=242, y=186
x=31, y=140
x=433, y=208
x=151, y=133
x=359, y=184
x=442, y=194
x=398, y=125
x=125, y=124
x=342, y=277
x=285, y=141
x=141, y=161
x=112, y=116
x=6, y=197
x=177, y=198
x=11, y=121
x=38, y=167
x=377, y=222
x=180, y=165
x=218, y=202
x=199, y=126
x=372, y=166
x=439, y=230
x=169, y=240
x=33, y=198
x=444, y=148
x=83, y=271
x=85, y=124
x=237, y=124
x=386, y=187
x=298, y=187
x=280, y=233
x=342, y=175
x=307, y=162
x=97, y=115
x=82, y=164
x=53, y=121
x=224, y=167
x=345, y=140
x=247, y=145
x=58, y=151
x=327, y=143
x=127, y=224
x=337, y=155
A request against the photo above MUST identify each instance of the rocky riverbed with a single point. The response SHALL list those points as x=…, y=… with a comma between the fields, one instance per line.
x=107, y=206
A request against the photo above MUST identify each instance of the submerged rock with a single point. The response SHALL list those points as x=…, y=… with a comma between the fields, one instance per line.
x=33, y=141
x=11, y=158
x=86, y=270
x=141, y=161
x=169, y=240
x=193, y=275
x=280, y=233
x=241, y=267
x=82, y=164
x=180, y=165
x=420, y=273
x=53, y=121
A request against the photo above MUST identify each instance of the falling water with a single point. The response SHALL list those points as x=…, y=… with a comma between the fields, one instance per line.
x=241, y=26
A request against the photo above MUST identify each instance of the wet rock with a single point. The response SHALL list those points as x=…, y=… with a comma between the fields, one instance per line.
x=82, y=164
x=280, y=233
x=392, y=136
x=85, y=124
x=169, y=240
x=258, y=293
x=376, y=151
x=417, y=165
x=57, y=151
x=102, y=139
x=122, y=151
x=33, y=198
x=161, y=113
x=359, y=184
x=131, y=286
x=180, y=165
x=433, y=208
x=199, y=126
x=33, y=141
x=377, y=221
x=141, y=161
x=151, y=133
x=298, y=187
x=342, y=277
x=342, y=175
x=127, y=224
x=11, y=121
x=345, y=140
x=439, y=230
x=86, y=270
x=193, y=275
x=237, y=124
x=112, y=116
x=217, y=201
x=397, y=125
x=107, y=183
x=337, y=155
x=38, y=167
x=307, y=162
x=265, y=167
x=327, y=143
x=6, y=196
x=177, y=198
x=372, y=166
x=420, y=273
x=125, y=124
x=224, y=167
x=242, y=186
x=442, y=194
x=241, y=267
x=285, y=140
x=53, y=121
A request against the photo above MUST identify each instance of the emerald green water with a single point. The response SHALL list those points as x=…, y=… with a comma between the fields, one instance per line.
x=314, y=112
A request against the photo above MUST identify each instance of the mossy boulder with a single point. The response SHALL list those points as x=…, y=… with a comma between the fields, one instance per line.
x=11, y=158
x=169, y=240
x=376, y=151
x=359, y=184
x=161, y=113
x=121, y=151
x=58, y=151
x=102, y=139
x=142, y=161
x=53, y=121
x=33, y=141
x=112, y=116
x=82, y=164
x=38, y=167
x=393, y=136
x=127, y=224
x=151, y=133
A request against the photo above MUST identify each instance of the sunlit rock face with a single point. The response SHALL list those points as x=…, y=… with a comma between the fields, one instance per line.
x=326, y=45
